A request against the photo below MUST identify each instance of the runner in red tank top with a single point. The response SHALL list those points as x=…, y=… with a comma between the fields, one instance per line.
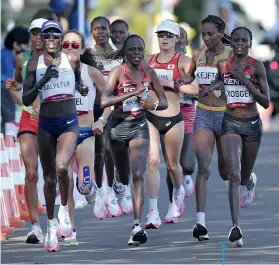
x=127, y=89
x=169, y=66
x=244, y=79
x=187, y=157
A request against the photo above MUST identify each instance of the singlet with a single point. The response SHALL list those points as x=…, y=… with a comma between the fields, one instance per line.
x=168, y=71
x=59, y=88
x=108, y=66
x=84, y=104
x=126, y=85
x=237, y=94
x=26, y=56
x=206, y=74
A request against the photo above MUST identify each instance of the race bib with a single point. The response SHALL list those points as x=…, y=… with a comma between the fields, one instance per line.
x=131, y=105
x=238, y=96
x=82, y=104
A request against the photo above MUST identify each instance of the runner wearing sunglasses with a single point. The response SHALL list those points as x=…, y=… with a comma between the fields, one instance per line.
x=55, y=76
x=27, y=132
x=169, y=66
x=127, y=89
x=106, y=202
x=73, y=43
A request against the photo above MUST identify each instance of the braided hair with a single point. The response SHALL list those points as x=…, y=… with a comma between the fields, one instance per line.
x=120, y=54
x=220, y=25
x=248, y=30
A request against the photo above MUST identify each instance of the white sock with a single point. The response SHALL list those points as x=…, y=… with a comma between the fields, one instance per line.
x=177, y=192
x=109, y=190
x=52, y=222
x=201, y=218
x=64, y=208
x=101, y=191
x=187, y=178
x=153, y=204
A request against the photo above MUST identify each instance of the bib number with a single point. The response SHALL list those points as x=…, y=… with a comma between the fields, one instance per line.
x=131, y=105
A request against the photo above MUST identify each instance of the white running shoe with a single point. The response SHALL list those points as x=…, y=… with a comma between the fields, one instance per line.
x=65, y=229
x=169, y=217
x=35, y=235
x=51, y=241
x=112, y=206
x=189, y=186
x=153, y=220
x=179, y=203
x=126, y=204
x=248, y=196
x=100, y=208
x=72, y=240
x=235, y=236
x=138, y=236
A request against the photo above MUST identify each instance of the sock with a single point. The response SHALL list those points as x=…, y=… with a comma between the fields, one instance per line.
x=109, y=190
x=52, y=222
x=64, y=208
x=153, y=204
x=201, y=218
x=101, y=191
x=136, y=222
x=177, y=192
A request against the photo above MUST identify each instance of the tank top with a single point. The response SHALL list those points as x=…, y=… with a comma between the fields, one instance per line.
x=84, y=104
x=26, y=57
x=126, y=85
x=237, y=94
x=204, y=73
x=59, y=88
x=167, y=71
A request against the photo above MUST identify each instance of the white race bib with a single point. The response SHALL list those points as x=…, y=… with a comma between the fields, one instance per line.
x=82, y=104
x=238, y=96
x=131, y=105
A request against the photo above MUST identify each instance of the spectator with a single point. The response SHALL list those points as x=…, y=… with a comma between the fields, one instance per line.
x=46, y=14
x=16, y=41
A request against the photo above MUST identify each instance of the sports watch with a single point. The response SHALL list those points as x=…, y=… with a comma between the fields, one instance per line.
x=104, y=120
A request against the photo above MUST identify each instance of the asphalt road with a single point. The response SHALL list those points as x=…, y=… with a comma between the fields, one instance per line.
x=104, y=242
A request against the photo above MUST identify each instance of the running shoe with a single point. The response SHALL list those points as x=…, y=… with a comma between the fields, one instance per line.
x=99, y=208
x=235, y=236
x=169, y=217
x=120, y=190
x=65, y=229
x=126, y=204
x=189, y=186
x=153, y=220
x=138, y=236
x=112, y=206
x=248, y=196
x=179, y=203
x=51, y=241
x=71, y=240
x=35, y=235
x=200, y=232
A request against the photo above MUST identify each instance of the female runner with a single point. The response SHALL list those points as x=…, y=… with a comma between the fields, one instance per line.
x=168, y=65
x=55, y=76
x=209, y=112
x=244, y=79
x=128, y=131
x=73, y=43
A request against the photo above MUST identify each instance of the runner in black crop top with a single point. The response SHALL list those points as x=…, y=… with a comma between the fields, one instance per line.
x=245, y=83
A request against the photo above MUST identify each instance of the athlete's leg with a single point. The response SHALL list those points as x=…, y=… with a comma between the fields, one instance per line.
x=222, y=167
x=99, y=158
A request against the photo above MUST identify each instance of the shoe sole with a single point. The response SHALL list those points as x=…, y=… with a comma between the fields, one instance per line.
x=201, y=234
x=61, y=235
x=236, y=239
x=171, y=221
x=151, y=226
x=32, y=239
x=55, y=249
x=138, y=238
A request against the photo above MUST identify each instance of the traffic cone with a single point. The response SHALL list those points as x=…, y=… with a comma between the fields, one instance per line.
x=7, y=187
x=17, y=175
x=5, y=226
x=41, y=209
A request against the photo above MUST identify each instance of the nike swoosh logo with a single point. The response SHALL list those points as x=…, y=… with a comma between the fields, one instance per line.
x=168, y=124
x=253, y=122
x=69, y=122
x=141, y=125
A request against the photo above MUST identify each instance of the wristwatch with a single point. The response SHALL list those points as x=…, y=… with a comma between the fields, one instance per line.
x=104, y=120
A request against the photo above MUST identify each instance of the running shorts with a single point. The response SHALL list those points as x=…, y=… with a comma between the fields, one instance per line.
x=27, y=124
x=84, y=133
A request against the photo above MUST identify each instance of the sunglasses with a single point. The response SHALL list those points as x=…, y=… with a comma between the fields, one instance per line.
x=53, y=35
x=67, y=44
x=165, y=34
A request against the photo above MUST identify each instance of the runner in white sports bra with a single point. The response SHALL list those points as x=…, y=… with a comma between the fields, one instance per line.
x=73, y=43
x=55, y=76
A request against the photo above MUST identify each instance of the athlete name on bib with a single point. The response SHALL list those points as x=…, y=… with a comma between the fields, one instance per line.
x=238, y=96
x=166, y=77
x=82, y=104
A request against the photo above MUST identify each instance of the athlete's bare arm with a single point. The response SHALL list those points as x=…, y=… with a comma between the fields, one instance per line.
x=107, y=98
x=184, y=64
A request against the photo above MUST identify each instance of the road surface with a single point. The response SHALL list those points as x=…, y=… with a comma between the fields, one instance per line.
x=103, y=242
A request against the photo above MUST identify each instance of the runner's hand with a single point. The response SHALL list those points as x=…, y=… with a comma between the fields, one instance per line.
x=83, y=90
x=139, y=89
x=11, y=85
x=98, y=127
x=146, y=103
